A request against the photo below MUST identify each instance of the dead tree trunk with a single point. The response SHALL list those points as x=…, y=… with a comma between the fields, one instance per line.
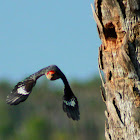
x=118, y=23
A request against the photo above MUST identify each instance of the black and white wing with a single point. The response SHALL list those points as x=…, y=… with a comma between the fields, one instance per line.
x=70, y=105
x=21, y=91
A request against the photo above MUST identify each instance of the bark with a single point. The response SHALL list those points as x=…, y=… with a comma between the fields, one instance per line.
x=118, y=24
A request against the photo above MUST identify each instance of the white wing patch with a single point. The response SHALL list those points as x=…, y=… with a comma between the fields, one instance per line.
x=70, y=103
x=22, y=90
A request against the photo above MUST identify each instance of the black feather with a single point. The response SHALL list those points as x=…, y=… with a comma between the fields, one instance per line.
x=70, y=104
x=17, y=96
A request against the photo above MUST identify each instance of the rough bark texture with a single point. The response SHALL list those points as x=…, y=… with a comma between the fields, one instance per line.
x=118, y=23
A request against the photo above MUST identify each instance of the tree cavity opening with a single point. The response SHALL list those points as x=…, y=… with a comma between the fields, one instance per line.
x=109, y=31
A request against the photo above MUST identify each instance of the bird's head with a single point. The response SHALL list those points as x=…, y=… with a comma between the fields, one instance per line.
x=52, y=75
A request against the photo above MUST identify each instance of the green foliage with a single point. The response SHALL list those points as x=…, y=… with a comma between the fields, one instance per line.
x=41, y=116
x=34, y=128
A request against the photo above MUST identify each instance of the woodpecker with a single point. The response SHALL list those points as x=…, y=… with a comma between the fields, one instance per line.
x=23, y=89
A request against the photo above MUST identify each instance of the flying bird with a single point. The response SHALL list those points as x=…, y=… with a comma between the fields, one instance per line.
x=23, y=89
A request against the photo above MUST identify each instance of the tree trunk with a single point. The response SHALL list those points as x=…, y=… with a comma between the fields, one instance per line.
x=118, y=24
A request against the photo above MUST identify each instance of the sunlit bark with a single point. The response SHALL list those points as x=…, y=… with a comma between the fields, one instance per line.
x=118, y=24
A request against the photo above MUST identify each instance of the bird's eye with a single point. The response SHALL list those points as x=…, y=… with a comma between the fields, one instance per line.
x=52, y=75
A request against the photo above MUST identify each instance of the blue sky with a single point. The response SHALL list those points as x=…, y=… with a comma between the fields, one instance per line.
x=37, y=33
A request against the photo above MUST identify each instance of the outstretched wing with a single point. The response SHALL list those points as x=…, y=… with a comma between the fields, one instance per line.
x=21, y=91
x=70, y=105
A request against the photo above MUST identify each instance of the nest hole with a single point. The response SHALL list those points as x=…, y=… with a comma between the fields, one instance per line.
x=110, y=32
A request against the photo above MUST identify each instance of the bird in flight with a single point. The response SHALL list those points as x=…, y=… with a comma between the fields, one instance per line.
x=23, y=89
